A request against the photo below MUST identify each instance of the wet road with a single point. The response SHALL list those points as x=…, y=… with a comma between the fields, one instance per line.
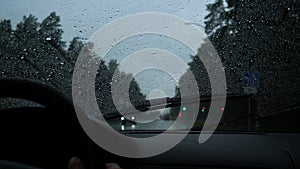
x=154, y=125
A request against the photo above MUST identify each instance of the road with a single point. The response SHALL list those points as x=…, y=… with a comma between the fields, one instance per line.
x=154, y=125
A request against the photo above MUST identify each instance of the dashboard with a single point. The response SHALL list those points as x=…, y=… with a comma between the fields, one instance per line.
x=225, y=151
x=35, y=136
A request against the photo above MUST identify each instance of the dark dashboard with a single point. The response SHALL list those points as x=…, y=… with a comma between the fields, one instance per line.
x=47, y=137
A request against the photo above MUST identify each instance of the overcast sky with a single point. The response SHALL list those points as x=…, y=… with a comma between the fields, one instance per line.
x=83, y=18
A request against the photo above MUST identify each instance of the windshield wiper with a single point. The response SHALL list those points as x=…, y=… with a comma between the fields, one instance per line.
x=154, y=104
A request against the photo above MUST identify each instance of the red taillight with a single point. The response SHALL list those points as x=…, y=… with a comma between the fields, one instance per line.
x=180, y=114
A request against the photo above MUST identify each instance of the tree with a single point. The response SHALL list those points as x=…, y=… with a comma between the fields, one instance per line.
x=36, y=51
x=261, y=36
x=6, y=36
x=74, y=49
x=6, y=45
x=104, y=80
x=50, y=31
x=27, y=29
x=217, y=17
x=30, y=54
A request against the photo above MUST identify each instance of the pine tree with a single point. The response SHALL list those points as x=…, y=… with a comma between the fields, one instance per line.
x=261, y=36
x=50, y=31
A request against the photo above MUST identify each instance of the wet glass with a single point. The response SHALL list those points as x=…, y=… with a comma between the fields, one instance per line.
x=257, y=42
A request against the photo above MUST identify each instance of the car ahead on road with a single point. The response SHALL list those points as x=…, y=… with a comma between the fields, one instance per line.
x=128, y=120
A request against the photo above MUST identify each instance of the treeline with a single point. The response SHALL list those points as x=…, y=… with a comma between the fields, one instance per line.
x=249, y=35
x=257, y=36
x=36, y=51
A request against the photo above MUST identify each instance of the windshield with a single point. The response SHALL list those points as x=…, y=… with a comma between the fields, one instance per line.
x=257, y=43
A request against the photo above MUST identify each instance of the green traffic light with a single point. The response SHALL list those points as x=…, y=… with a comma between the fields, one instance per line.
x=184, y=108
x=203, y=109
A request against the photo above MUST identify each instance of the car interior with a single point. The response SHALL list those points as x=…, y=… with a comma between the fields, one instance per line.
x=43, y=45
x=48, y=136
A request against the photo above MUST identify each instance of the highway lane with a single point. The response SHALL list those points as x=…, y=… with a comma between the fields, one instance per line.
x=154, y=125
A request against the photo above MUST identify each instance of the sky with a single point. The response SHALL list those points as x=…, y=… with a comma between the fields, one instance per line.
x=83, y=18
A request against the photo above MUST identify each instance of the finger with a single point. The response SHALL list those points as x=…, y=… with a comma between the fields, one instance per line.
x=112, y=166
x=75, y=163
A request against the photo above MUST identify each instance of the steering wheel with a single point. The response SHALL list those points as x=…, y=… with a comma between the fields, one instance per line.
x=46, y=136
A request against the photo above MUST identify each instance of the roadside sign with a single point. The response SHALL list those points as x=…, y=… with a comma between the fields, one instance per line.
x=250, y=90
x=250, y=79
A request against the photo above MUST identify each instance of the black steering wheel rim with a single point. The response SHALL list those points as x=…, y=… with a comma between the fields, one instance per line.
x=34, y=91
x=55, y=102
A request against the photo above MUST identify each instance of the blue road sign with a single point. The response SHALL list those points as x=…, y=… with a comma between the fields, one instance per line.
x=250, y=79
